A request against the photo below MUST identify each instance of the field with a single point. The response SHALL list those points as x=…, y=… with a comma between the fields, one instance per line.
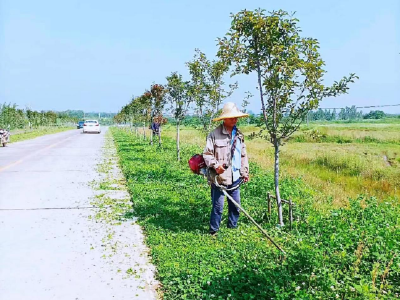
x=337, y=160
x=345, y=243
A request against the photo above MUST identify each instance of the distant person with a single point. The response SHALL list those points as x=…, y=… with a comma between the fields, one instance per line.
x=155, y=127
x=156, y=130
x=225, y=152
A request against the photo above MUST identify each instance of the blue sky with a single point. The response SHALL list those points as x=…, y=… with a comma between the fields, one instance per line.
x=94, y=55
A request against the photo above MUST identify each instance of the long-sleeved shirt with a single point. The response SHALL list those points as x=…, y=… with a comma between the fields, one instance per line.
x=155, y=127
x=217, y=152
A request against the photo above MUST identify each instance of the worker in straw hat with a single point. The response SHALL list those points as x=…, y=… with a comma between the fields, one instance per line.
x=225, y=154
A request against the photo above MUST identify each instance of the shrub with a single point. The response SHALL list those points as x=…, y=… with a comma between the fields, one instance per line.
x=375, y=114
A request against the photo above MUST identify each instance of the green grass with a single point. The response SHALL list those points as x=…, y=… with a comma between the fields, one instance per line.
x=347, y=253
x=21, y=135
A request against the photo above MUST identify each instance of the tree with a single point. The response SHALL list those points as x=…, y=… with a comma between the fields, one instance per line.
x=144, y=103
x=342, y=114
x=375, y=114
x=208, y=88
x=178, y=96
x=319, y=114
x=352, y=112
x=76, y=114
x=334, y=114
x=289, y=72
x=130, y=113
x=156, y=96
x=118, y=118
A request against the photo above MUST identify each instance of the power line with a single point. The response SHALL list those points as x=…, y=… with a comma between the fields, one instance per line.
x=371, y=106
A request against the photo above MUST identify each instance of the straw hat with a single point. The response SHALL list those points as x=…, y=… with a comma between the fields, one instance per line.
x=230, y=110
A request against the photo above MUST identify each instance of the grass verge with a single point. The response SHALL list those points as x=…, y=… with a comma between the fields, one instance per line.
x=30, y=134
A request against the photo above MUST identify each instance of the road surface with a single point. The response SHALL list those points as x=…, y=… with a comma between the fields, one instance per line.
x=50, y=248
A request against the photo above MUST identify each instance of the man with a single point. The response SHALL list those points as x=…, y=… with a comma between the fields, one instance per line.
x=225, y=152
x=156, y=129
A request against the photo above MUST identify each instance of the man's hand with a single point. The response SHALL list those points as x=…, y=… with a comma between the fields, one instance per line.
x=246, y=179
x=220, y=170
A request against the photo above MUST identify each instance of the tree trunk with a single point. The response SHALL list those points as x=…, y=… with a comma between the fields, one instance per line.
x=276, y=181
x=144, y=130
x=261, y=90
x=205, y=124
x=260, y=86
x=178, y=150
x=159, y=137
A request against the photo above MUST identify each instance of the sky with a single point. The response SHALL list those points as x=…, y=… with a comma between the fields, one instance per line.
x=95, y=55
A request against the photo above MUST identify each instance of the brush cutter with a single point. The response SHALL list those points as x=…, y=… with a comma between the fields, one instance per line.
x=225, y=191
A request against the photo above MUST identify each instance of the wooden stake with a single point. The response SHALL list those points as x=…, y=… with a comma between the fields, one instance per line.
x=252, y=220
x=290, y=213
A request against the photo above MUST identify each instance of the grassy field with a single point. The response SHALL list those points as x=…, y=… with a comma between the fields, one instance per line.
x=26, y=134
x=337, y=160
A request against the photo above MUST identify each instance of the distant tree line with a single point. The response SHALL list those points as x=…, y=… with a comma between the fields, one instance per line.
x=17, y=118
x=347, y=113
x=103, y=117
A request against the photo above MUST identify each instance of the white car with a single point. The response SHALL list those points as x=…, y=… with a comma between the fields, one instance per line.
x=91, y=126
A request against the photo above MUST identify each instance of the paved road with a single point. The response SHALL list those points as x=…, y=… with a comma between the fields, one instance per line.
x=48, y=248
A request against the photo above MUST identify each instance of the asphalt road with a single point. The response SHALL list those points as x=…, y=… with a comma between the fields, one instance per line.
x=49, y=248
